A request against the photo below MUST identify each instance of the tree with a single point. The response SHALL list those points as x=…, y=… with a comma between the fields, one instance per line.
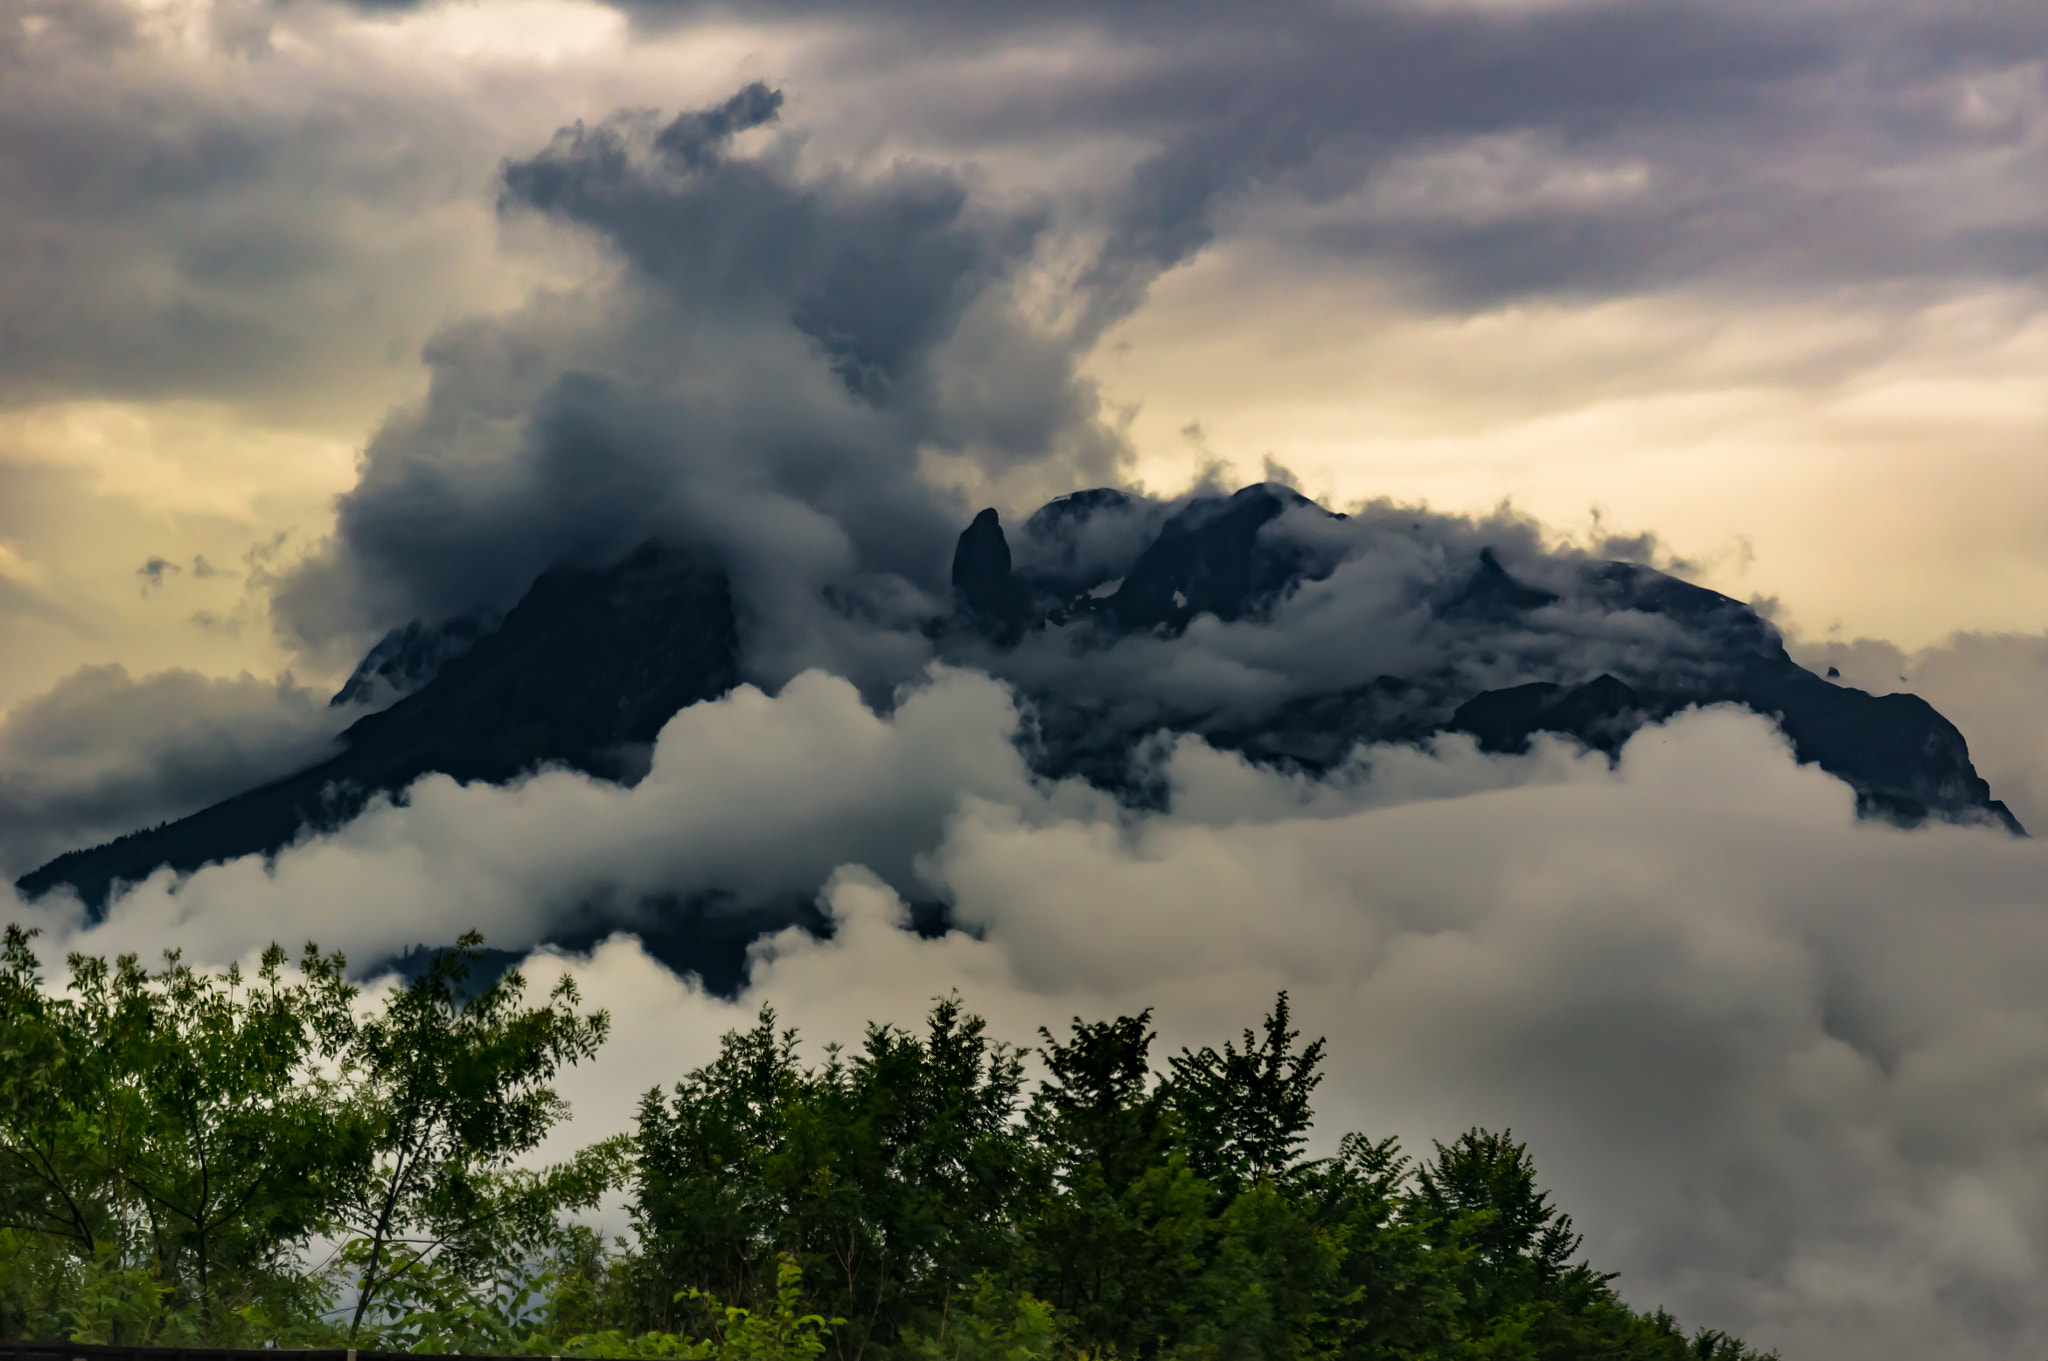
x=1120, y=1233
x=1481, y=1189
x=58, y=1120
x=247, y=1141
x=172, y=1141
x=175, y=1124
x=1101, y=1110
x=889, y=1174
x=1245, y=1114
x=456, y=1081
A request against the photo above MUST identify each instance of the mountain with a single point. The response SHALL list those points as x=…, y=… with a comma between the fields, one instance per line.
x=589, y=664
x=1101, y=597
x=1222, y=557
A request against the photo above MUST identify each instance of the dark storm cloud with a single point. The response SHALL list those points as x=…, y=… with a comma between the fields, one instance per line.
x=876, y=275
x=161, y=235
x=789, y=342
x=74, y=169
x=782, y=348
x=1771, y=146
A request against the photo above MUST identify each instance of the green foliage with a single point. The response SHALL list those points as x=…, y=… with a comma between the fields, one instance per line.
x=196, y=1159
x=172, y=1131
x=456, y=1083
x=990, y=1324
x=173, y=1143
x=882, y=1173
x=783, y=1333
x=1125, y=1214
x=1245, y=1115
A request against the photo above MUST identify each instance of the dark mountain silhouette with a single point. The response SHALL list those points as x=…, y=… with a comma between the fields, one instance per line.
x=1906, y=762
x=588, y=664
x=586, y=669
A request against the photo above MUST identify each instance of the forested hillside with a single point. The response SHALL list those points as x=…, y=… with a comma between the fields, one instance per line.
x=273, y=1160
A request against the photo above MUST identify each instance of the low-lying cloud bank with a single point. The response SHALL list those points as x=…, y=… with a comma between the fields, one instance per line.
x=1789, y=1070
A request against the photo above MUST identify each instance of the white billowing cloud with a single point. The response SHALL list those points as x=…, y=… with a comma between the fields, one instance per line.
x=747, y=794
x=1789, y=1070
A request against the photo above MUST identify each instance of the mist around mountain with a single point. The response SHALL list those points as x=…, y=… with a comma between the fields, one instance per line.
x=713, y=469
x=1259, y=622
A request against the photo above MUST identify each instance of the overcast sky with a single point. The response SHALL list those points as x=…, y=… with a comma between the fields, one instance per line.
x=297, y=297
x=1763, y=278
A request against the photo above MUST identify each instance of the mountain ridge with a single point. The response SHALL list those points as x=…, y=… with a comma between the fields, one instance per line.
x=589, y=665
x=646, y=636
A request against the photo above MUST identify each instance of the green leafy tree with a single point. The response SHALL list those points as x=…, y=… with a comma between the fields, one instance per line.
x=174, y=1132
x=60, y=1124
x=1120, y=1229
x=1166, y=1231
x=249, y=1141
x=989, y=1323
x=172, y=1143
x=1245, y=1114
x=887, y=1174
x=456, y=1081
x=1520, y=1292
x=714, y=1170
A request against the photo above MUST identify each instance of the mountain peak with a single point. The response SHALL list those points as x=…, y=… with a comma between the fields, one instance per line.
x=592, y=662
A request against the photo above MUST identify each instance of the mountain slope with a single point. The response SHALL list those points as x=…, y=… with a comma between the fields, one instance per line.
x=587, y=664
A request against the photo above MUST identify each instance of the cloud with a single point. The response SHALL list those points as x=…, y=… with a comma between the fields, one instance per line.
x=551, y=852
x=1379, y=595
x=1488, y=152
x=781, y=351
x=241, y=209
x=1783, y=1066
x=102, y=753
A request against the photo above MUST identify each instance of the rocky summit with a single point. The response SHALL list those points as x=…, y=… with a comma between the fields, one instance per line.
x=1661, y=645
